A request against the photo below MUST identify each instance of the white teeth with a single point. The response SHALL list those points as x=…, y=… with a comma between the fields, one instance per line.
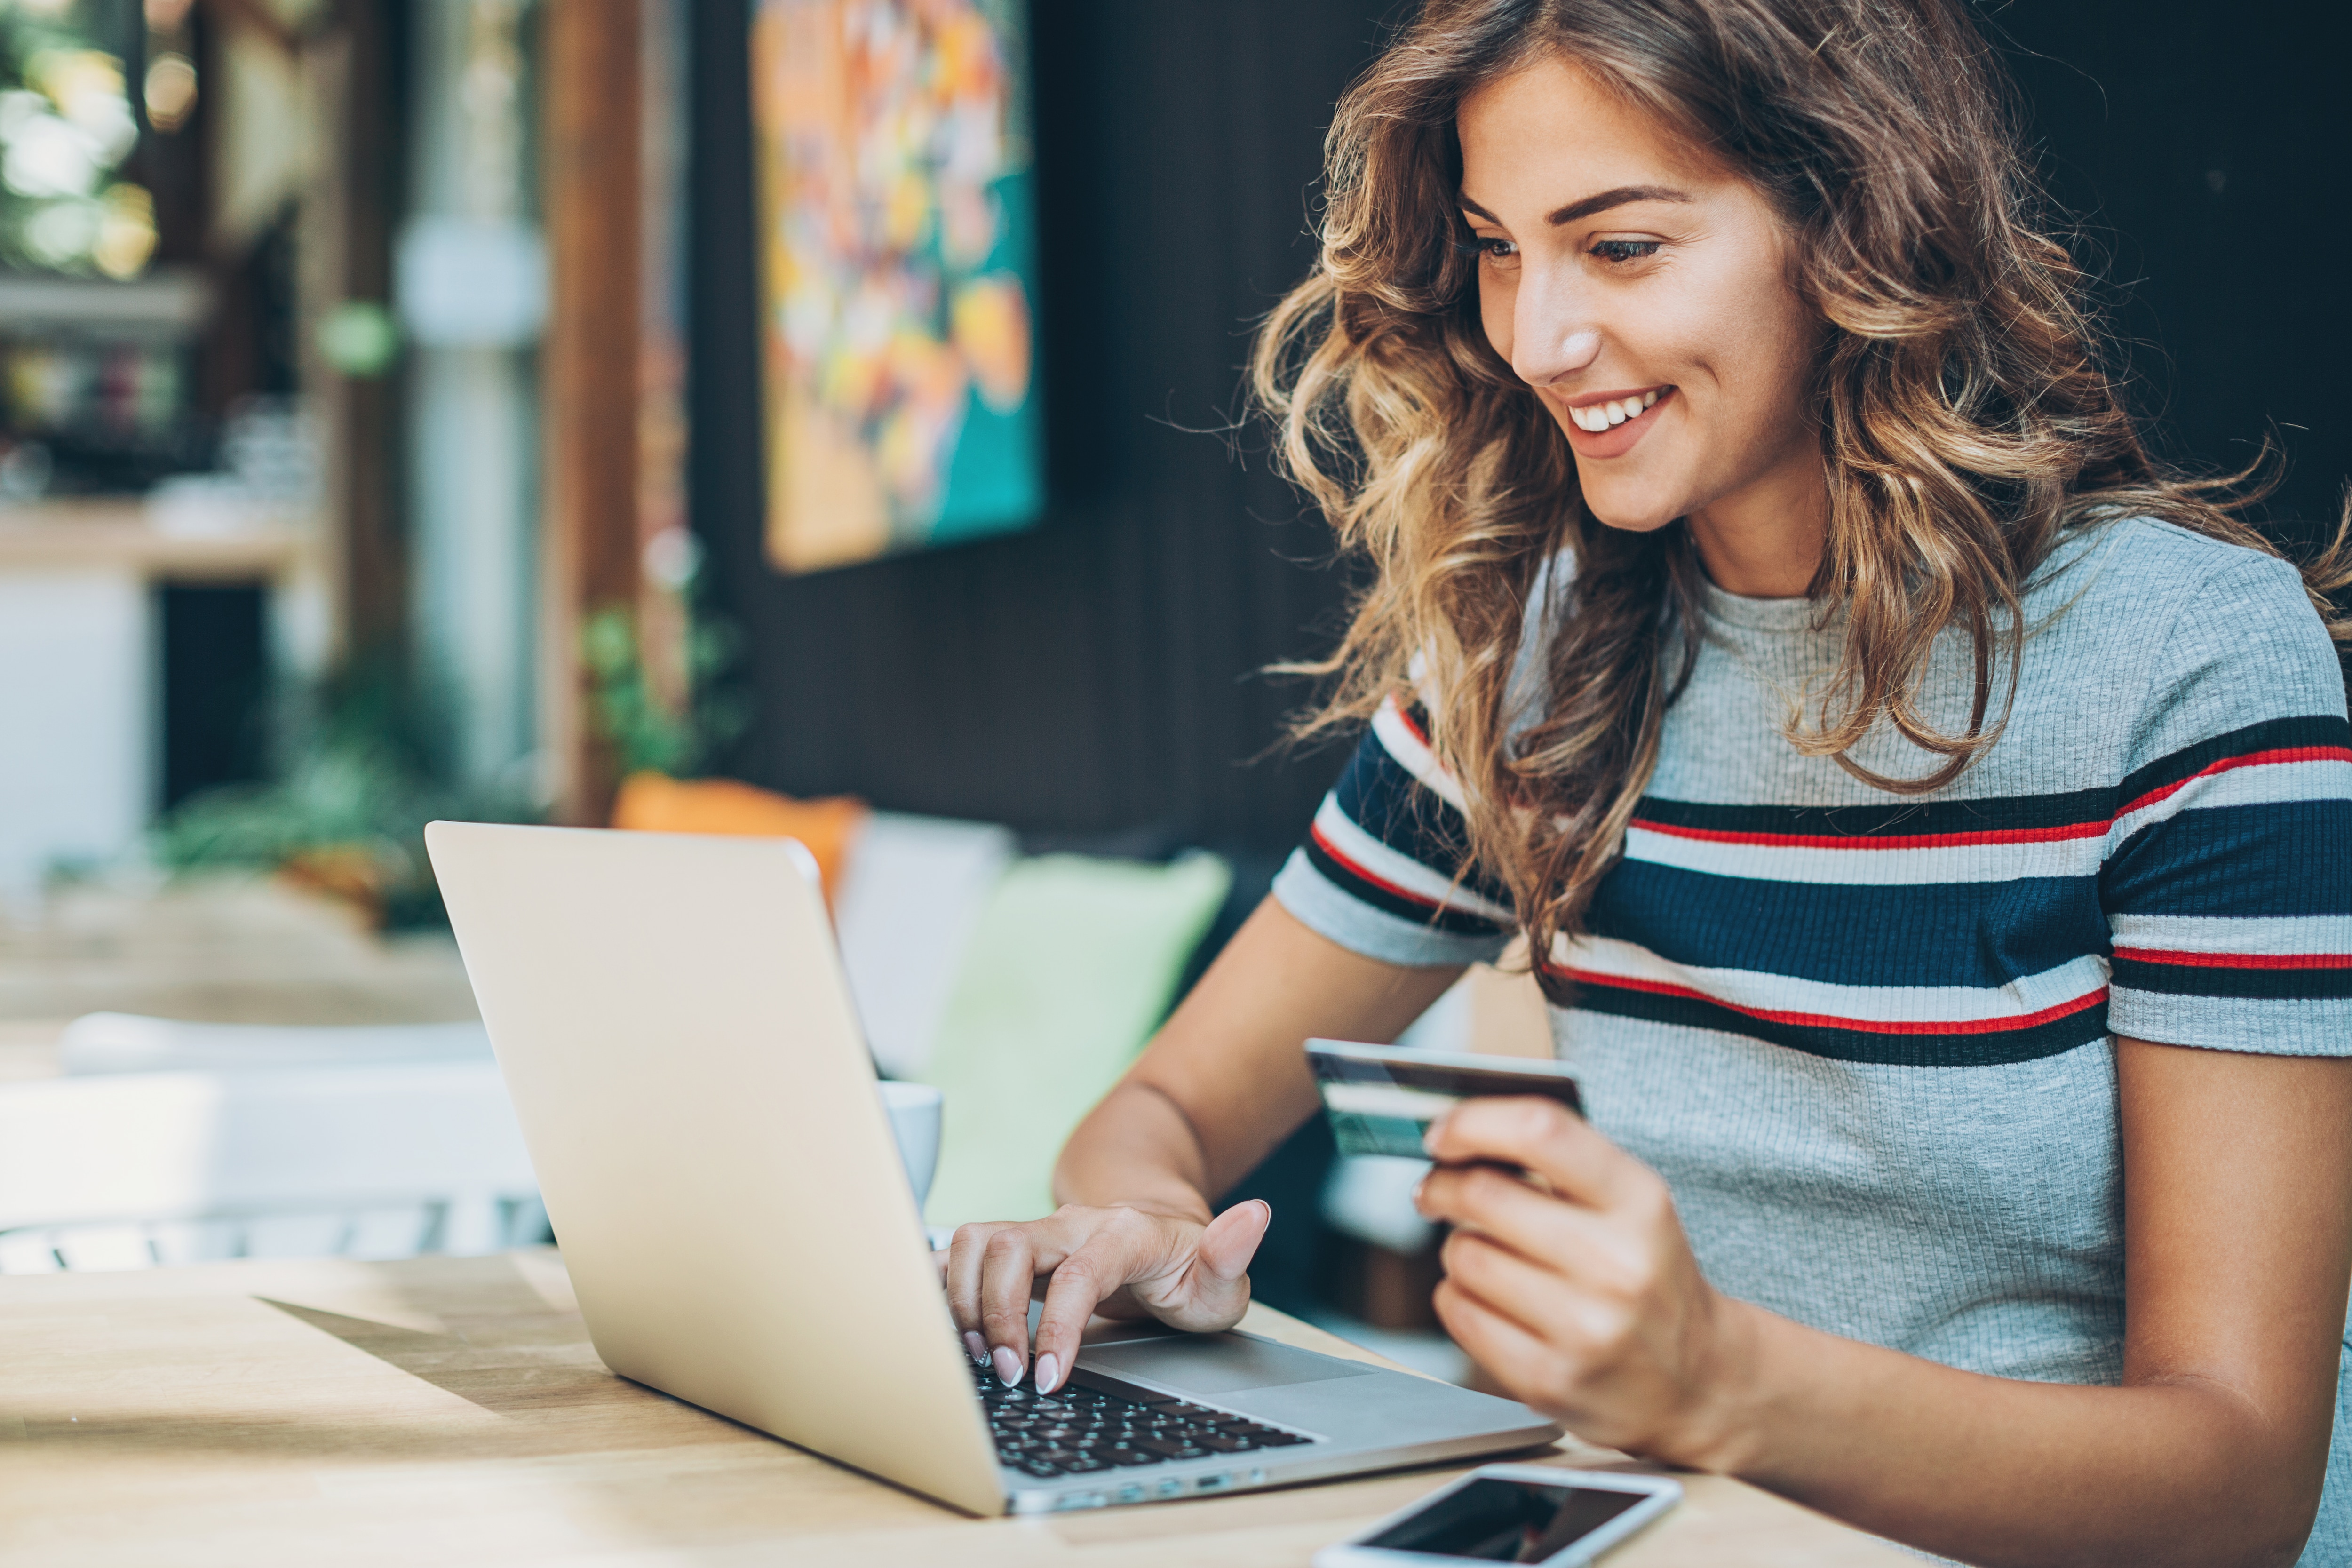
x=1599, y=416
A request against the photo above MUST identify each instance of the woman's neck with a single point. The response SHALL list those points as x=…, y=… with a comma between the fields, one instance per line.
x=1764, y=541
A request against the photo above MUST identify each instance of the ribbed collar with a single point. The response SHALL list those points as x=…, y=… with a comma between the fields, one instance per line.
x=1759, y=614
x=2048, y=590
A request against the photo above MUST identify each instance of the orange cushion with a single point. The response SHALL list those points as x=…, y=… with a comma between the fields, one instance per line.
x=656, y=803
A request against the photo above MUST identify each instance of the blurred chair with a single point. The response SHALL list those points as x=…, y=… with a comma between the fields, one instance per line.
x=1070, y=967
x=912, y=893
x=656, y=803
x=905, y=891
x=377, y=1160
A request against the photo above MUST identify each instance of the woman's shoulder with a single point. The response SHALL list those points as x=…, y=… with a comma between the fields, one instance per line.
x=2150, y=564
x=2185, y=635
x=2163, y=590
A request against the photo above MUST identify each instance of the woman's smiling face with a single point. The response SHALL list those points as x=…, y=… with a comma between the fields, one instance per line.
x=1644, y=294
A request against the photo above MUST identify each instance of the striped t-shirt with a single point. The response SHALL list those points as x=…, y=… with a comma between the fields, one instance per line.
x=1868, y=1039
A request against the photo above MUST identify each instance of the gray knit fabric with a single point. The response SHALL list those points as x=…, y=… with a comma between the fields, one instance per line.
x=1967, y=1213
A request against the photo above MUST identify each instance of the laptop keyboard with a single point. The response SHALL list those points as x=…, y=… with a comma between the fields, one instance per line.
x=1079, y=1430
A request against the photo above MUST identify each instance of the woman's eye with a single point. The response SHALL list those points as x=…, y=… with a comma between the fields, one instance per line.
x=1623, y=250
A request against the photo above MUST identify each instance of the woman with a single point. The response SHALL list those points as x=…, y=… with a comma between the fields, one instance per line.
x=1929, y=816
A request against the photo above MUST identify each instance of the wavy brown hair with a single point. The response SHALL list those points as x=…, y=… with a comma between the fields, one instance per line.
x=1967, y=417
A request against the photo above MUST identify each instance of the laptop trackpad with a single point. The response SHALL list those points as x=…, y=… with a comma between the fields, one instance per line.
x=1218, y=1364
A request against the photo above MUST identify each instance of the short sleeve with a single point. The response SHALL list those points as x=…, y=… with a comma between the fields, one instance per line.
x=1384, y=870
x=2228, y=880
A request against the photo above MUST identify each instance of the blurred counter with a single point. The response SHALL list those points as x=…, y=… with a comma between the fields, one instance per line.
x=81, y=676
x=116, y=534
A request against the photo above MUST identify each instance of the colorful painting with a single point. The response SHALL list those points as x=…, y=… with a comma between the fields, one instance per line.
x=898, y=263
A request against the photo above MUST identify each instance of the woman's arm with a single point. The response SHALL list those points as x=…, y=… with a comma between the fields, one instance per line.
x=2238, y=1244
x=1222, y=1084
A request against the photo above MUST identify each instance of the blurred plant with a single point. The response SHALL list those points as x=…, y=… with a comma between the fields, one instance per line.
x=347, y=813
x=645, y=733
x=359, y=338
x=67, y=127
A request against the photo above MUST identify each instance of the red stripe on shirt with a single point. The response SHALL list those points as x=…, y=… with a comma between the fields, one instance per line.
x=2238, y=960
x=2251, y=760
x=1856, y=841
x=2072, y=830
x=1356, y=869
x=1829, y=1021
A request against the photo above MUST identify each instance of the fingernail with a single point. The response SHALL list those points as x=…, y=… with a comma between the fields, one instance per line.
x=976, y=1348
x=1049, y=1371
x=1007, y=1362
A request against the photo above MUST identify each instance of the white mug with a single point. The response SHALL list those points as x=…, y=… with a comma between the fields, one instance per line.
x=914, y=1111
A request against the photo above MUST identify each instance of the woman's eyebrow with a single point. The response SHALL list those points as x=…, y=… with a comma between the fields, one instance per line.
x=1621, y=196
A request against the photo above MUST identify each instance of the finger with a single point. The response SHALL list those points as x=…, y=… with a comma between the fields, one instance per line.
x=1008, y=1269
x=1536, y=1299
x=962, y=1270
x=962, y=1277
x=1545, y=1228
x=1001, y=1291
x=1078, y=1286
x=1539, y=1135
x=1229, y=1241
x=1516, y=1360
x=1217, y=1284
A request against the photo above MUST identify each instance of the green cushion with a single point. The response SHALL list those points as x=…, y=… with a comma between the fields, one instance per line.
x=1068, y=969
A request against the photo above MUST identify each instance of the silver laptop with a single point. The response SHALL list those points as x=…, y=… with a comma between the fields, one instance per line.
x=671, y=1019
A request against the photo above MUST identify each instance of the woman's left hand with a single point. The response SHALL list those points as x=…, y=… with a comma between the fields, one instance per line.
x=1584, y=1302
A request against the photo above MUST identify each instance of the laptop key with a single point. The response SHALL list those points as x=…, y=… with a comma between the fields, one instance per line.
x=1168, y=1449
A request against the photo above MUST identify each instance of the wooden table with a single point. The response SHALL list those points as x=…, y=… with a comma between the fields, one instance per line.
x=224, y=948
x=451, y=1410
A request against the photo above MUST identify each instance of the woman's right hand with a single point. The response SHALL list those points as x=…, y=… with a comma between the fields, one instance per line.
x=1119, y=1260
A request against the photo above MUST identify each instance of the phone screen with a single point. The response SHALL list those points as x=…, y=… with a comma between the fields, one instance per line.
x=1498, y=1521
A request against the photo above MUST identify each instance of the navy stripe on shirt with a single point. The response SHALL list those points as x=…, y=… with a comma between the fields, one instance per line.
x=1947, y=933
x=1911, y=1046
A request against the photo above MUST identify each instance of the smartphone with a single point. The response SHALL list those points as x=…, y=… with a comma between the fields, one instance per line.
x=1381, y=1099
x=1511, y=1513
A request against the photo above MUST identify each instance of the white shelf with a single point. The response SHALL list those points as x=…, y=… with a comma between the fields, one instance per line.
x=168, y=301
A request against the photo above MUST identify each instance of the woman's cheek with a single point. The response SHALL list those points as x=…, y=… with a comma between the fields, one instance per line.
x=1496, y=306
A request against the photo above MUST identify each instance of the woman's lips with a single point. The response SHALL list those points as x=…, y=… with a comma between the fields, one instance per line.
x=1614, y=440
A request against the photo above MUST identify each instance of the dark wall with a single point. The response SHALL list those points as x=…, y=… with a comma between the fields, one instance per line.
x=1095, y=675
x=2206, y=151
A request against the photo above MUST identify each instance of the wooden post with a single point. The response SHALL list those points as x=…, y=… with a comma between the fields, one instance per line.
x=589, y=559
x=365, y=411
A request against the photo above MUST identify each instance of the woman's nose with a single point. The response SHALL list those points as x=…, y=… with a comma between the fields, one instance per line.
x=1546, y=351
x=1553, y=334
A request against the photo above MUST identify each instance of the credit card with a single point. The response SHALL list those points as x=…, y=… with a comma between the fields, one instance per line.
x=1381, y=1099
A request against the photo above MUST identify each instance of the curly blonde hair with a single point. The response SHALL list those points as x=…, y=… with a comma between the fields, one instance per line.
x=1967, y=417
